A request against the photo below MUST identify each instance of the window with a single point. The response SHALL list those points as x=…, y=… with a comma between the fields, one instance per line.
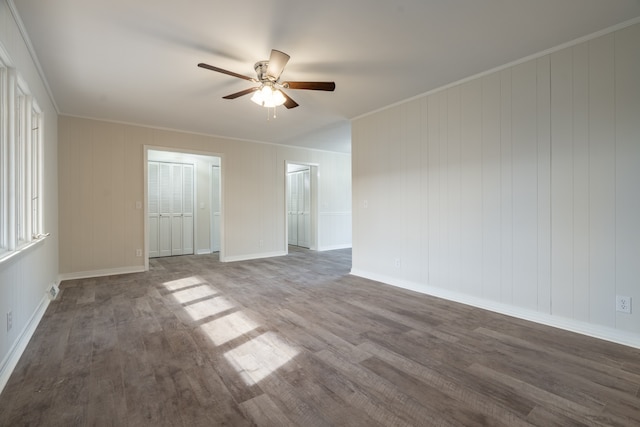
x=36, y=174
x=3, y=156
x=20, y=164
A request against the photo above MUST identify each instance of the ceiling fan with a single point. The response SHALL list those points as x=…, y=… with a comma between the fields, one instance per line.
x=269, y=93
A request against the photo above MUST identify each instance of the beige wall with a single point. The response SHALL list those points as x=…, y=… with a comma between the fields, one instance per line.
x=102, y=177
x=516, y=190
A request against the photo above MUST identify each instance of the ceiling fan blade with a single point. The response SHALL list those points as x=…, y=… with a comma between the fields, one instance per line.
x=223, y=71
x=289, y=103
x=277, y=61
x=328, y=86
x=241, y=93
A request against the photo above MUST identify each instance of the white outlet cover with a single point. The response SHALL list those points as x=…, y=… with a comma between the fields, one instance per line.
x=623, y=304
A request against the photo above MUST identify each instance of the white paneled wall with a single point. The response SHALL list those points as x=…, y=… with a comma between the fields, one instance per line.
x=518, y=189
x=25, y=277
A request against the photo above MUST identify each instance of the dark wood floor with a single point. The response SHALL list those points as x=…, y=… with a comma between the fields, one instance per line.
x=297, y=341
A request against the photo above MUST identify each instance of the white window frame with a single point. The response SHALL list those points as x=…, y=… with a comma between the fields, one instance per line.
x=21, y=165
x=4, y=154
x=36, y=171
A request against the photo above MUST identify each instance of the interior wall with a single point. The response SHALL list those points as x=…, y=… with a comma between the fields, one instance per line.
x=26, y=276
x=515, y=190
x=102, y=178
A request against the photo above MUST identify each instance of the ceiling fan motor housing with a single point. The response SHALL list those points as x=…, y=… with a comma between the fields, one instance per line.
x=261, y=71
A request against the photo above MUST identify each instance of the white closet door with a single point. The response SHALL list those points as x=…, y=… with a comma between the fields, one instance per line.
x=299, y=208
x=293, y=208
x=153, y=207
x=215, y=208
x=187, y=209
x=164, y=191
x=176, y=209
x=304, y=210
x=170, y=209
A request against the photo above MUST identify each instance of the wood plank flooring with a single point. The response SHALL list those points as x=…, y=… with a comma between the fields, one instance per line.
x=297, y=341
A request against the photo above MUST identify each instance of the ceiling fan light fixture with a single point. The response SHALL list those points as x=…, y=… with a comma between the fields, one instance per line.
x=268, y=97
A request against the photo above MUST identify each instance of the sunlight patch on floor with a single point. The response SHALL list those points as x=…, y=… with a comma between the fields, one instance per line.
x=194, y=293
x=209, y=307
x=257, y=359
x=174, y=285
x=228, y=327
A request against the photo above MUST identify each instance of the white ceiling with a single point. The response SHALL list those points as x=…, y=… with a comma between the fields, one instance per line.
x=134, y=61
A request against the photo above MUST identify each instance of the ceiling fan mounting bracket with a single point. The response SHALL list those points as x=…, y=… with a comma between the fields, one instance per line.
x=261, y=70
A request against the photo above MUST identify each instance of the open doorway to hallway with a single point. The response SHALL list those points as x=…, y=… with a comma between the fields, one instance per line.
x=183, y=203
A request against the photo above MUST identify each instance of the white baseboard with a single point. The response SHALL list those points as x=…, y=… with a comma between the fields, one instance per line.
x=334, y=247
x=252, y=256
x=101, y=273
x=203, y=251
x=11, y=360
x=596, y=331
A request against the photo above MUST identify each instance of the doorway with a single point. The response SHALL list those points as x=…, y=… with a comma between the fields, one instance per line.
x=183, y=210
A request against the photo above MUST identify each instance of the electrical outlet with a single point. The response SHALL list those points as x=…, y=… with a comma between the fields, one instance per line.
x=397, y=263
x=53, y=291
x=623, y=304
x=9, y=320
x=138, y=252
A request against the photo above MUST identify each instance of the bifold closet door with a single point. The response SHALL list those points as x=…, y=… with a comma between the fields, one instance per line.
x=153, y=209
x=304, y=209
x=215, y=207
x=170, y=193
x=181, y=189
x=292, y=211
x=299, y=208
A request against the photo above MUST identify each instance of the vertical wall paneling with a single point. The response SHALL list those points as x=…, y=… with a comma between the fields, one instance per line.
x=627, y=117
x=471, y=186
x=580, y=182
x=506, y=190
x=525, y=184
x=491, y=201
x=413, y=205
x=602, y=180
x=433, y=186
x=543, y=119
x=443, y=196
x=391, y=210
x=562, y=182
x=529, y=186
x=454, y=238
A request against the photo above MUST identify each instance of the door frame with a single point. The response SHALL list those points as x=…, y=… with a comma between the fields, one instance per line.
x=314, y=177
x=145, y=203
